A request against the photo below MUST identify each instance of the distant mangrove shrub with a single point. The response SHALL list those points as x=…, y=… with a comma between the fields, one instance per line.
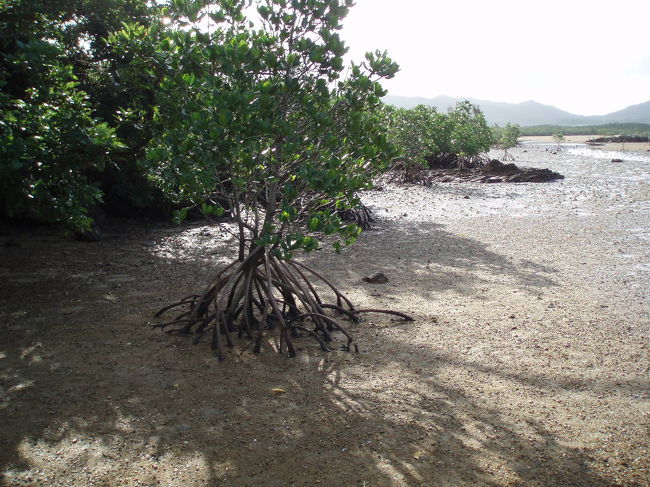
x=558, y=138
x=506, y=138
x=428, y=138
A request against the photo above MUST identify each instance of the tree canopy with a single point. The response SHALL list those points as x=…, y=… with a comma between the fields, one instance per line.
x=260, y=122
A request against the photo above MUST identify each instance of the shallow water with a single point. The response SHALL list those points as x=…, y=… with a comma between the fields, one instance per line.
x=588, y=151
x=608, y=154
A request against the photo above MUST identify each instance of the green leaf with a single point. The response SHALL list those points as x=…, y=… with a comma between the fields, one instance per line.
x=267, y=86
x=218, y=17
x=189, y=78
x=314, y=224
x=181, y=215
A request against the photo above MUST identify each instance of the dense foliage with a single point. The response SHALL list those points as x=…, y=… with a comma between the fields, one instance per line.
x=427, y=138
x=419, y=132
x=470, y=135
x=59, y=98
x=49, y=145
x=86, y=85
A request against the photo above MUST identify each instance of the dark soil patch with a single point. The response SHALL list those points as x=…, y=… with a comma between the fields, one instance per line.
x=618, y=139
x=496, y=172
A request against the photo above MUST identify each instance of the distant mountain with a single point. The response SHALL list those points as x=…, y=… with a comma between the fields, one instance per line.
x=633, y=114
x=527, y=113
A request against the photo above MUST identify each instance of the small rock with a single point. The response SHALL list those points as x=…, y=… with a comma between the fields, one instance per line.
x=617, y=160
x=376, y=278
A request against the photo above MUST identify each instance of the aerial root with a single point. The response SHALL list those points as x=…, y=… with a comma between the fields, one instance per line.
x=260, y=293
x=404, y=316
x=187, y=300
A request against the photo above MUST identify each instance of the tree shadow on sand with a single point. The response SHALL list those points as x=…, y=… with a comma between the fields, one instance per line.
x=427, y=261
x=90, y=394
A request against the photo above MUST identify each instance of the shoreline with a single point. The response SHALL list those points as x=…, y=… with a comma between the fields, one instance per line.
x=636, y=147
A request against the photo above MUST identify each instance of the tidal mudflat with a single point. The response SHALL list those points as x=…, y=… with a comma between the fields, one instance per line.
x=527, y=365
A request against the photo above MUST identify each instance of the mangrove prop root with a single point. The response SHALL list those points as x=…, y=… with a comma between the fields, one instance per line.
x=405, y=317
x=260, y=295
x=341, y=310
x=188, y=300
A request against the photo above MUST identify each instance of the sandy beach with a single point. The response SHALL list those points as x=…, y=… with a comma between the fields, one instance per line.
x=527, y=365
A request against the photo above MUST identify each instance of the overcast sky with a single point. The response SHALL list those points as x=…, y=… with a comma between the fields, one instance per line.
x=586, y=57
